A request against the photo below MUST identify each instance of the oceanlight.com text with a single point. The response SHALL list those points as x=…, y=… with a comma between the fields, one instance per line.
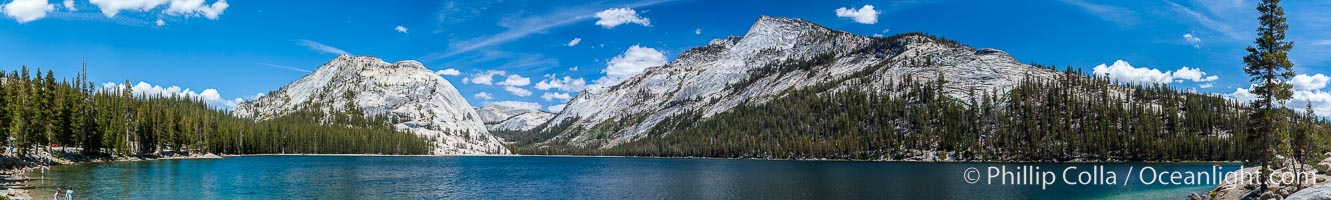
x=1043, y=177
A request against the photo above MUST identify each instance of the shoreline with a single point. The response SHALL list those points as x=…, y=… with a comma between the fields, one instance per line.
x=15, y=179
x=883, y=160
x=756, y=159
x=14, y=184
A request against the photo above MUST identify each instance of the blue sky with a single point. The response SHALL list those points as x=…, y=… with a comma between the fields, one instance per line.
x=524, y=51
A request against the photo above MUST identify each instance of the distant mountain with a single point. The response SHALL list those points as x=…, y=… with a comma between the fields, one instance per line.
x=505, y=117
x=776, y=56
x=413, y=98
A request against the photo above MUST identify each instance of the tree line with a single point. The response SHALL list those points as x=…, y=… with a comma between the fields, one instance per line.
x=40, y=112
x=1072, y=116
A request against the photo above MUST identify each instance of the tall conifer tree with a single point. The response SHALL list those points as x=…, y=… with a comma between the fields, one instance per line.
x=1268, y=67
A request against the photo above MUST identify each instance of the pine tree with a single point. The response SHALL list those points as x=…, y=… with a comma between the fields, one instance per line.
x=1268, y=67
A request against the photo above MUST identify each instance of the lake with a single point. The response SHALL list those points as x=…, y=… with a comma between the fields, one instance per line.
x=542, y=177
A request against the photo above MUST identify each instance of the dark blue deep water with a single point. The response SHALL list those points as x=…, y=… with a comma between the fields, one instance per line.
x=536, y=177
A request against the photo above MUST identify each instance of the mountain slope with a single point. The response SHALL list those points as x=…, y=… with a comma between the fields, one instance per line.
x=412, y=97
x=504, y=117
x=777, y=55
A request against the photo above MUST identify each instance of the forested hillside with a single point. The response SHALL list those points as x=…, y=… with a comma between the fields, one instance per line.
x=41, y=112
x=1072, y=117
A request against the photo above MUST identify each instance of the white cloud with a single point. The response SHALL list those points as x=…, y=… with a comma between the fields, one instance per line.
x=174, y=7
x=556, y=108
x=517, y=104
x=1322, y=42
x=197, y=8
x=257, y=96
x=484, y=95
x=610, y=18
x=1306, y=82
x=632, y=62
x=400, y=29
x=574, y=42
x=515, y=80
x=1206, y=85
x=1193, y=74
x=160, y=22
x=1193, y=40
x=69, y=5
x=144, y=89
x=551, y=96
x=1122, y=71
x=25, y=11
x=1242, y=95
x=1320, y=100
x=320, y=47
x=517, y=91
x=865, y=15
x=485, y=78
x=567, y=84
x=697, y=31
x=574, y=68
x=29, y=10
x=448, y=72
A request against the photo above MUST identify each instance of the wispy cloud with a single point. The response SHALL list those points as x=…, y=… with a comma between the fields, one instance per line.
x=97, y=17
x=1119, y=15
x=526, y=63
x=521, y=27
x=320, y=47
x=455, y=12
x=1206, y=21
x=286, y=67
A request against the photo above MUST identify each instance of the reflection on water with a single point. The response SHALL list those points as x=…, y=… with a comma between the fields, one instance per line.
x=531, y=177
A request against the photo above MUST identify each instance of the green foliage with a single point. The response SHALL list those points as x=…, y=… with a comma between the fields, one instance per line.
x=1068, y=117
x=1269, y=68
x=40, y=112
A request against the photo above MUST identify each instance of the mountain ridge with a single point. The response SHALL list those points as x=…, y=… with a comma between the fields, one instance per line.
x=414, y=98
x=757, y=67
x=504, y=117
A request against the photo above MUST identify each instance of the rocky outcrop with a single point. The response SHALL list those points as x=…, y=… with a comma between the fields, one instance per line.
x=502, y=116
x=415, y=98
x=776, y=55
x=1322, y=192
x=1316, y=185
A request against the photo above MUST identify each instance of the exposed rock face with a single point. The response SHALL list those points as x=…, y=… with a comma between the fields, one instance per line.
x=503, y=117
x=1314, y=193
x=421, y=101
x=727, y=72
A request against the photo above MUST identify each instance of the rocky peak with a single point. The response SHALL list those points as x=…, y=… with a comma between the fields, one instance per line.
x=767, y=26
x=361, y=62
x=775, y=56
x=420, y=101
x=498, y=112
x=511, y=117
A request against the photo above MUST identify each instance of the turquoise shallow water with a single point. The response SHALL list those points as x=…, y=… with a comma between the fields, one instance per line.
x=536, y=177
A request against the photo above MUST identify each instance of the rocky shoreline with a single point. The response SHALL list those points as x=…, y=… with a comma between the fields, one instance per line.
x=18, y=169
x=1317, y=184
